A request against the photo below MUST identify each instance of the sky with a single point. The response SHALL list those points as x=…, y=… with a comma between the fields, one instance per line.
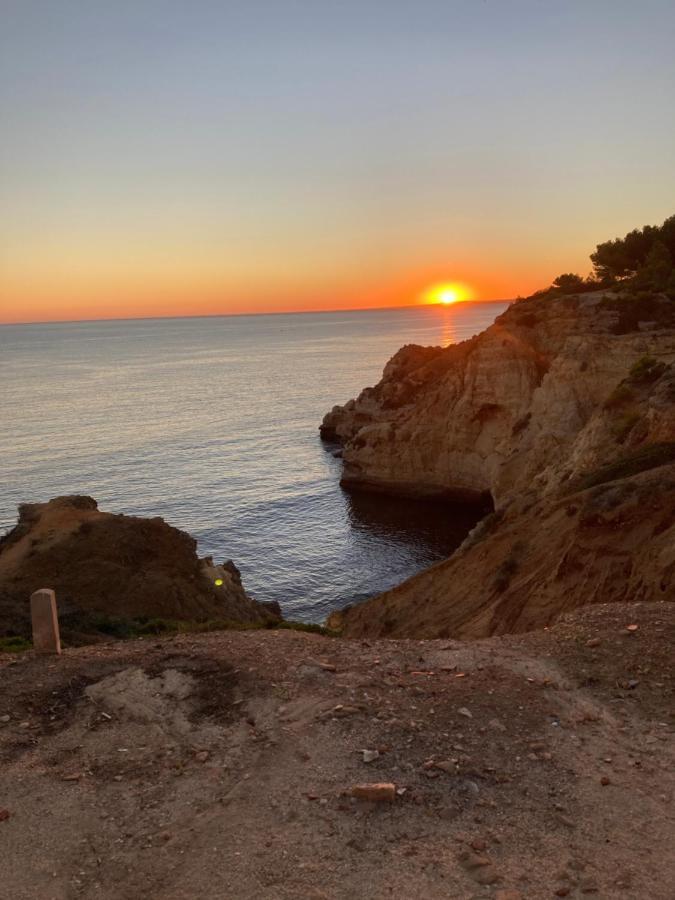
x=197, y=157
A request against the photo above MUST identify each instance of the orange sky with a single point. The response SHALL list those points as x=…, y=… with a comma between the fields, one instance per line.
x=103, y=295
x=196, y=159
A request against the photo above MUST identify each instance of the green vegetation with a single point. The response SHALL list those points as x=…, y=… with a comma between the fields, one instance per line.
x=569, y=283
x=76, y=630
x=14, y=644
x=647, y=370
x=647, y=458
x=642, y=260
x=123, y=629
x=648, y=250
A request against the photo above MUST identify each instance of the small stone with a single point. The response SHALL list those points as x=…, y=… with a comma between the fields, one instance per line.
x=473, y=861
x=604, y=781
x=463, y=711
x=74, y=777
x=370, y=755
x=378, y=792
x=202, y=756
x=479, y=844
x=4, y=718
x=562, y=891
x=4, y=815
x=341, y=710
x=594, y=642
x=117, y=778
x=632, y=627
x=486, y=876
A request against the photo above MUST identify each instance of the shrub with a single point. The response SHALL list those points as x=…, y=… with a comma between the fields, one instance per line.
x=14, y=644
x=641, y=461
x=647, y=370
x=621, y=395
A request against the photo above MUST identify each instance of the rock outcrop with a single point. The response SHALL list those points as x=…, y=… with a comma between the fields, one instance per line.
x=563, y=411
x=106, y=565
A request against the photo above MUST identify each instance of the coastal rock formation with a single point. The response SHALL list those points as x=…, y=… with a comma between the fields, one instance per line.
x=563, y=412
x=106, y=565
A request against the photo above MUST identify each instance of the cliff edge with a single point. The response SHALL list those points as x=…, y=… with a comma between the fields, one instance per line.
x=105, y=566
x=563, y=413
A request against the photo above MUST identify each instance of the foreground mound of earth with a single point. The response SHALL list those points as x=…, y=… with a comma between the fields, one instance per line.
x=529, y=766
x=101, y=565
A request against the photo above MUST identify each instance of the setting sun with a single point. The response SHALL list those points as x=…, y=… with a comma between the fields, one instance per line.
x=447, y=294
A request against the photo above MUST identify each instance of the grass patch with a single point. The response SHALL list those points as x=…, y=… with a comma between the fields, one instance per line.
x=648, y=458
x=647, y=370
x=14, y=644
x=643, y=306
x=130, y=628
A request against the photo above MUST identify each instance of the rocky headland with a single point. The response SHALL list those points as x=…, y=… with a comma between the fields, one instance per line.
x=111, y=570
x=562, y=415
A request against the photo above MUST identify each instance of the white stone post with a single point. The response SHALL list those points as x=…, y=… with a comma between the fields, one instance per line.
x=45, y=621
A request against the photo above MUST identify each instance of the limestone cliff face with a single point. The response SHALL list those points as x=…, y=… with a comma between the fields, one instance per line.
x=509, y=409
x=564, y=411
x=113, y=565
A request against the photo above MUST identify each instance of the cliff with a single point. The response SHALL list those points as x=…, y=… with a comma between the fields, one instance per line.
x=562, y=412
x=103, y=565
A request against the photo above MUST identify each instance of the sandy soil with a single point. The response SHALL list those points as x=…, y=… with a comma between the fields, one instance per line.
x=221, y=765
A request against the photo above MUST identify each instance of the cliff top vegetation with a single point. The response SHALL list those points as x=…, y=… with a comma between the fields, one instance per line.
x=642, y=260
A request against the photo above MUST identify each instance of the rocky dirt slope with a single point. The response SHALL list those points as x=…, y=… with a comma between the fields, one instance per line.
x=563, y=412
x=221, y=766
x=112, y=565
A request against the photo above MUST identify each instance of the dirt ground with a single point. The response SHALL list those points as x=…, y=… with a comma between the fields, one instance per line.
x=220, y=766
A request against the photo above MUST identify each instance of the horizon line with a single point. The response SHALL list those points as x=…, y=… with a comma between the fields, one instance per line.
x=290, y=312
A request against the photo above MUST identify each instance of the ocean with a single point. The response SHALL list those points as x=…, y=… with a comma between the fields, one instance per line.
x=212, y=423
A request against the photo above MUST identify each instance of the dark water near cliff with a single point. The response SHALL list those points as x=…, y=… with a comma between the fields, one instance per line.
x=212, y=424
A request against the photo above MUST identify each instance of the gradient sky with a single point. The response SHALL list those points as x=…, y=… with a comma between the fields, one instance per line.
x=168, y=158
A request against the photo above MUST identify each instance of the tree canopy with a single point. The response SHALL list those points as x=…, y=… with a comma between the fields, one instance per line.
x=644, y=259
x=624, y=257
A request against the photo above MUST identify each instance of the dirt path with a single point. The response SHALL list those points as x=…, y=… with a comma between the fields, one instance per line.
x=219, y=766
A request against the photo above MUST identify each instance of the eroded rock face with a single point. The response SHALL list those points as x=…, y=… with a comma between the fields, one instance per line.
x=510, y=408
x=523, y=567
x=564, y=411
x=114, y=565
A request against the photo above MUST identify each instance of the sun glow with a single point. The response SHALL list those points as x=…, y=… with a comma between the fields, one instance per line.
x=447, y=293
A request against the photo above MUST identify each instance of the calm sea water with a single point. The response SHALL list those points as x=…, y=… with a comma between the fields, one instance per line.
x=212, y=424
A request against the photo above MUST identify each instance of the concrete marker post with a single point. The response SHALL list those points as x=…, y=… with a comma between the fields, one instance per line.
x=46, y=638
